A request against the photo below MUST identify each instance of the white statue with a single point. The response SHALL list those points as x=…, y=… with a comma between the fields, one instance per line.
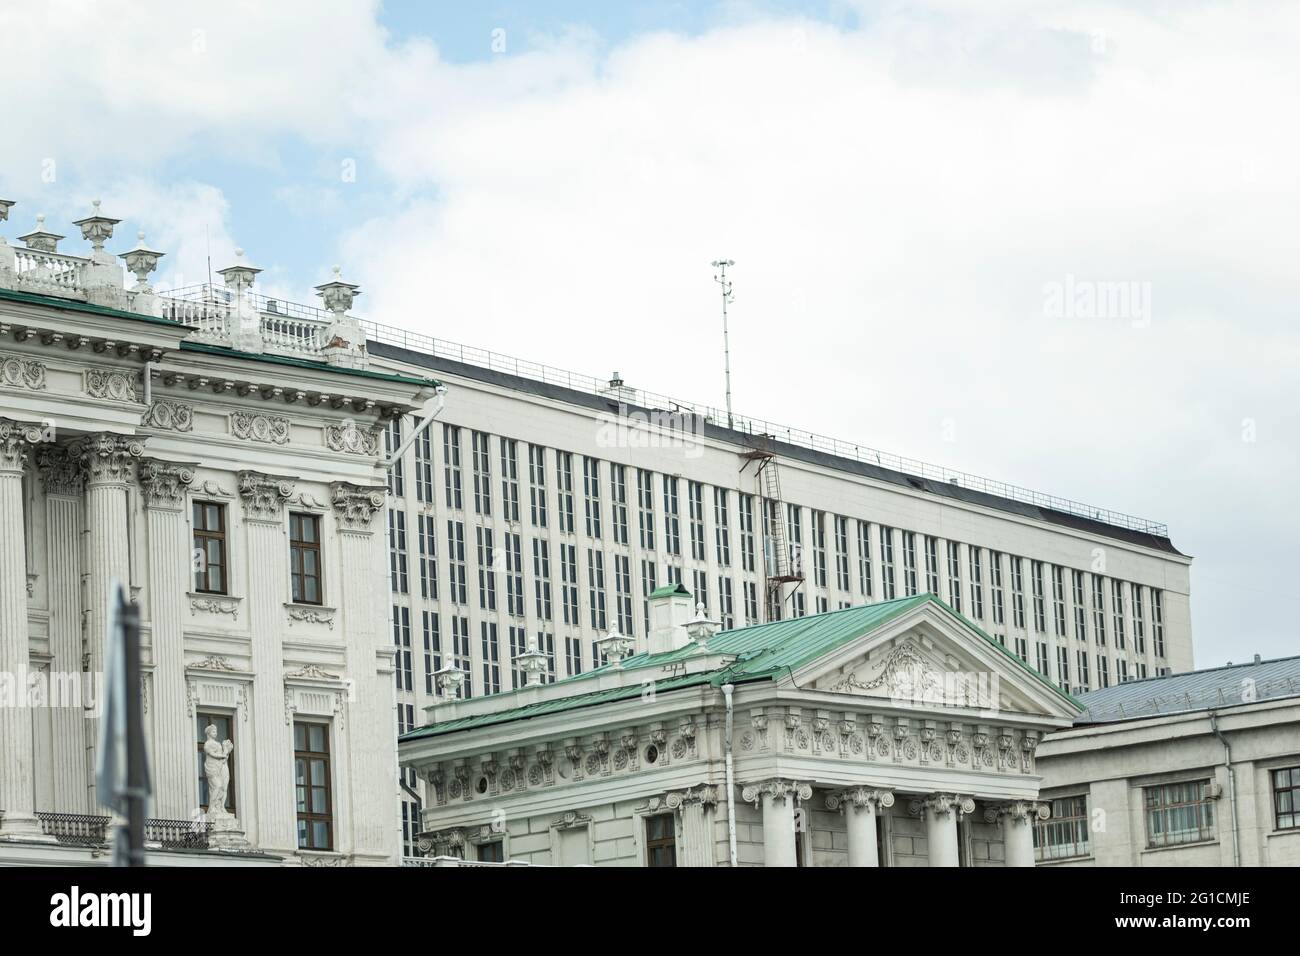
x=216, y=767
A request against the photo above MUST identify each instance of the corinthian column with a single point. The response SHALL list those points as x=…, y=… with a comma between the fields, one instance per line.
x=778, y=798
x=941, y=812
x=860, y=806
x=696, y=808
x=268, y=576
x=17, y=780
x=108, y=461
x=62, y=479
x=164, y=485
x=1017, y=821
x=369, y=726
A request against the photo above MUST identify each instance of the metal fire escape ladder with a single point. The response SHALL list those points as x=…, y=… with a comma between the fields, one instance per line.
x=779, y=566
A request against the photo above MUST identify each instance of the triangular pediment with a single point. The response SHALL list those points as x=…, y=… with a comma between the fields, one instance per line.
x=932, y=659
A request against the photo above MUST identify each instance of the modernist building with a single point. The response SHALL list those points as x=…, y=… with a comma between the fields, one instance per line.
x=895, y=733
x=1195, y=769
x=547, y=507
x=221, y=460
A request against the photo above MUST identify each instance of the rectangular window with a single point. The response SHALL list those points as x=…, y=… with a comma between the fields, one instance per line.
x=537, y=485
x=660, y=840
x=210, y=548
x=487, y=575
x=1065, y=833
x=618, y=501
x=1022, y=648
x=623, y=594
x=645, y=498
x=819, y=548
x=695, y=496
x=911, y=581
x=887, y=564
x=1117, y=610
x=510, y=479
x=1080, y=608
x=864, y=559
x=456, y=562
x=1103, y=671
x=1099, y=609
x=1139, y=619
x=392, y=442
x=311, y=758
x=451, y=467
x=1058, y=600
x=1286, y=798
x=428, y=541
x=591, y=495
x=721, y=528
x=1121, y=670
x=514, y=575
x=1042, y=659
x=672, y=518
x=954, y=575
x=700, y=587
x=1178, y=813
x=225, y=725
x=932, y=565
x=491, y=644
x=999, y=592
x=564, y=473
x=747, y=552
x=397, y=565
x=751, y=602
x=1084, y=678
x=569, y=583
x=460, y=654
x=976, y=583
x=794, y=535
x=546, y=644
x=432, y=648
x=726, y=604
x=596, y=589
x=573, y=655
x=1018, y=591
x=304, y=558
x=424, y=467
x=842, y=554
x=402, y=638
x=1063, y=668
x=482, y=460
x=518, y=645
x=1040, y=596
x=648, y=587
x=542, y=578
x=1158, y=622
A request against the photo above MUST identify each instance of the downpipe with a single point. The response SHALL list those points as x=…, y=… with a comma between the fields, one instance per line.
x=727, y=690
x=1232, y=787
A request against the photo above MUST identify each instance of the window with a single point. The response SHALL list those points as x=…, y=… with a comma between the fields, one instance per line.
x=542, y=578
x=451, y=466
x=1178, y=813
x=402, y=638
x=672, y=518
x=910, y=577
x=864, y=559
x=432, y=648
x=518, y=645
x=491, y=657
x=1084, y=679
x=999, y=593
x=424, y=467
x=819, y=548
x=660, y=840
x=1099, y=610
x=954, y=576
x=647, y=588
x=311, y=760
x=481, y=455
x=751, y=602
x=700, y=587
x=645, y=501
x=304, y=558
x=976, y=583
x=1080, y=610
x=537, y=485
x=1018, y=591
x=1158, y=622
x=746, y=504
x=1058, y=600
x=456, y=561
x=225, y=731
x=564, y=471
x=1286, y=798
x=487, y=575
x=510, y=479
x=1139, y=620
x=460, y=653
x=491, y=852
x=596, y=589
x=721, y=528
x=1103, y=672
x=397, y=551
x=569, y=583
x=514, y=575
x=1042, y=659
x=842, y=554
x=573, y=655
x=1040, y=598
x=392, y=442
x=887, y=565
x=623, y=594
x=618, y=501
x=726, y=604
x=427, y=534
x=794, y=535
x=1117, y=610
x=591, y=494
x=210, y=548
x=1063, y=668
x=1064, y=834
x=695, y=496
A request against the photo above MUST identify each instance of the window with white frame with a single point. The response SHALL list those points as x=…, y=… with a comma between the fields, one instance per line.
x=1177, y=813
x=1066, y=832
x=1286, y=797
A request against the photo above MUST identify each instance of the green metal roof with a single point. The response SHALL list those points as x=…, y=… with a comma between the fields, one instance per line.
x=72, y=305
x=668, y=590
x=289, y=360
x=762, y=652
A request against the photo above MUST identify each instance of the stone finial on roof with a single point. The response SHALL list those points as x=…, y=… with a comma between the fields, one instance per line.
x=39, y=240
x=141, y=261
x=337, y=294
x=615, y=647
x=533, y=663
x=96, y=229
x=700, y=628
x=449, y=680
x=240, y=276
x=5, y=206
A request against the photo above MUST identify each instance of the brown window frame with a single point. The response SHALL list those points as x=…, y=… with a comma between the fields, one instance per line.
x=653, y=844
x=203, y=718
x=204, y=534
x=298, y=547
x=311, y=815
x=1293, y=789
x=490, y=851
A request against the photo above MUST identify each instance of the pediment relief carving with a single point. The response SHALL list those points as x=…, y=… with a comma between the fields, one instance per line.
x=914, y=671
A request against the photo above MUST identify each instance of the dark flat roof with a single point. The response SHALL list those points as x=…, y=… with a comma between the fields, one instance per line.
x=743, y=440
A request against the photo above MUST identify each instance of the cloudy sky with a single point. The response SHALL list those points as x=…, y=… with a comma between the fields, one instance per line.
x=907, y=189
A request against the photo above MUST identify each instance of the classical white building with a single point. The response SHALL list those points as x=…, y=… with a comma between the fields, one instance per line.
x=221, y=459
x=1195, y=769
x=895, y=733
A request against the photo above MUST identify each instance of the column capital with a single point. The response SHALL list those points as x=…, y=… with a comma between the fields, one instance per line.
x=264, y=495
x=15, y=438
x=778, y=788
x=942, y=804
x=60, y=470
x=355, y=506
x=165, y=482
x=860, y=798
x=704, y=795
x=1021, y=811
x=107, y=457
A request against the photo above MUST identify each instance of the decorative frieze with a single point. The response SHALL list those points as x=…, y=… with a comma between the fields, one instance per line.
x=264, y=495
x=113, y=384
x=310, y=614
x=171, y=416
x=215, y=604
x=355, y=506
x=164, y=483
x=108, y=457
x=213, y=662
x=352, y=439
x=311, y=672
x=248, y=426
x=22, y=373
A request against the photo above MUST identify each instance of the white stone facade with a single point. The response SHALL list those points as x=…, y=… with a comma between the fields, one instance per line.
x=115, y=422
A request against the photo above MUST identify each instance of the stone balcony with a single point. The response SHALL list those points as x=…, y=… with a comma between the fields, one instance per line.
x=231, y=315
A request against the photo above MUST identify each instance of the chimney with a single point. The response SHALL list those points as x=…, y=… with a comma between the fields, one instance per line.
x=670, y=612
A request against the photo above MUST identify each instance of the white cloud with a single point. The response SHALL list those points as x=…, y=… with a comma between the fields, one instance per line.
x=895, y=197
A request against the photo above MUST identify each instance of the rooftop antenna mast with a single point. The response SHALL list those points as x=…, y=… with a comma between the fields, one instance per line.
x=721, y=278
